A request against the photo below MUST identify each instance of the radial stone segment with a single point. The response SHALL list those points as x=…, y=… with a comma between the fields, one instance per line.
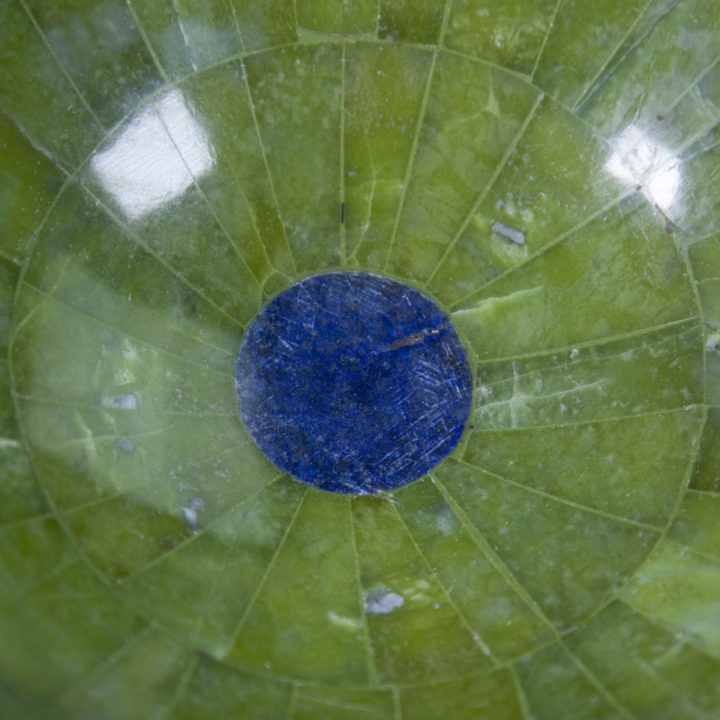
x=353, y=382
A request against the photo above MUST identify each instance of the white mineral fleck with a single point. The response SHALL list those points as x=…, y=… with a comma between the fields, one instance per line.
x=127, y=402
x=343, y=622
x=190, y=513
x=382, y=603
x=125, y=444
x=513, y=234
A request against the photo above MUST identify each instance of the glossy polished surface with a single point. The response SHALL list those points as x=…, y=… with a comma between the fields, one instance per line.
x=353, y=383
x=544, y=170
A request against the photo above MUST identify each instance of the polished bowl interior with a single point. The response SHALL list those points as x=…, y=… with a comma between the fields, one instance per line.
x=546, y=171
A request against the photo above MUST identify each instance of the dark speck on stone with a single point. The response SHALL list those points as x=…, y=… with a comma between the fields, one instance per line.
x=353, y=382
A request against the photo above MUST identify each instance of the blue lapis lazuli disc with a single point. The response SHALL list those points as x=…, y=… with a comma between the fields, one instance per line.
x=353, y=382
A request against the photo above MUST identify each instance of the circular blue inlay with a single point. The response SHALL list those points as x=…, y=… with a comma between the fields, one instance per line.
x=353, y=382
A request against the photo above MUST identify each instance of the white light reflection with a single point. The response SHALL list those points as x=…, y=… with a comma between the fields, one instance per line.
x=640, y=161
x=155, y=158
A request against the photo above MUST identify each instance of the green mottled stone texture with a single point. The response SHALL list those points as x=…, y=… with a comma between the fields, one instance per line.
x=547, y=171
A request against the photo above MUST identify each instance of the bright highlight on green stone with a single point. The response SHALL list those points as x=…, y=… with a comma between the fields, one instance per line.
x=546, y=171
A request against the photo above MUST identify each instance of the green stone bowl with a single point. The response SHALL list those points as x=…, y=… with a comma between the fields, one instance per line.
x=547, y=171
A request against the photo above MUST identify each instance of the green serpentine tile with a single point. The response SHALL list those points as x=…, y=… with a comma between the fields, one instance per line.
x=380, y=116
x=28, y=187
x=511, y=34
x=115, y=68
x=264, y=23
x=338, y=18
x=25, y=58
x=341, y=703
